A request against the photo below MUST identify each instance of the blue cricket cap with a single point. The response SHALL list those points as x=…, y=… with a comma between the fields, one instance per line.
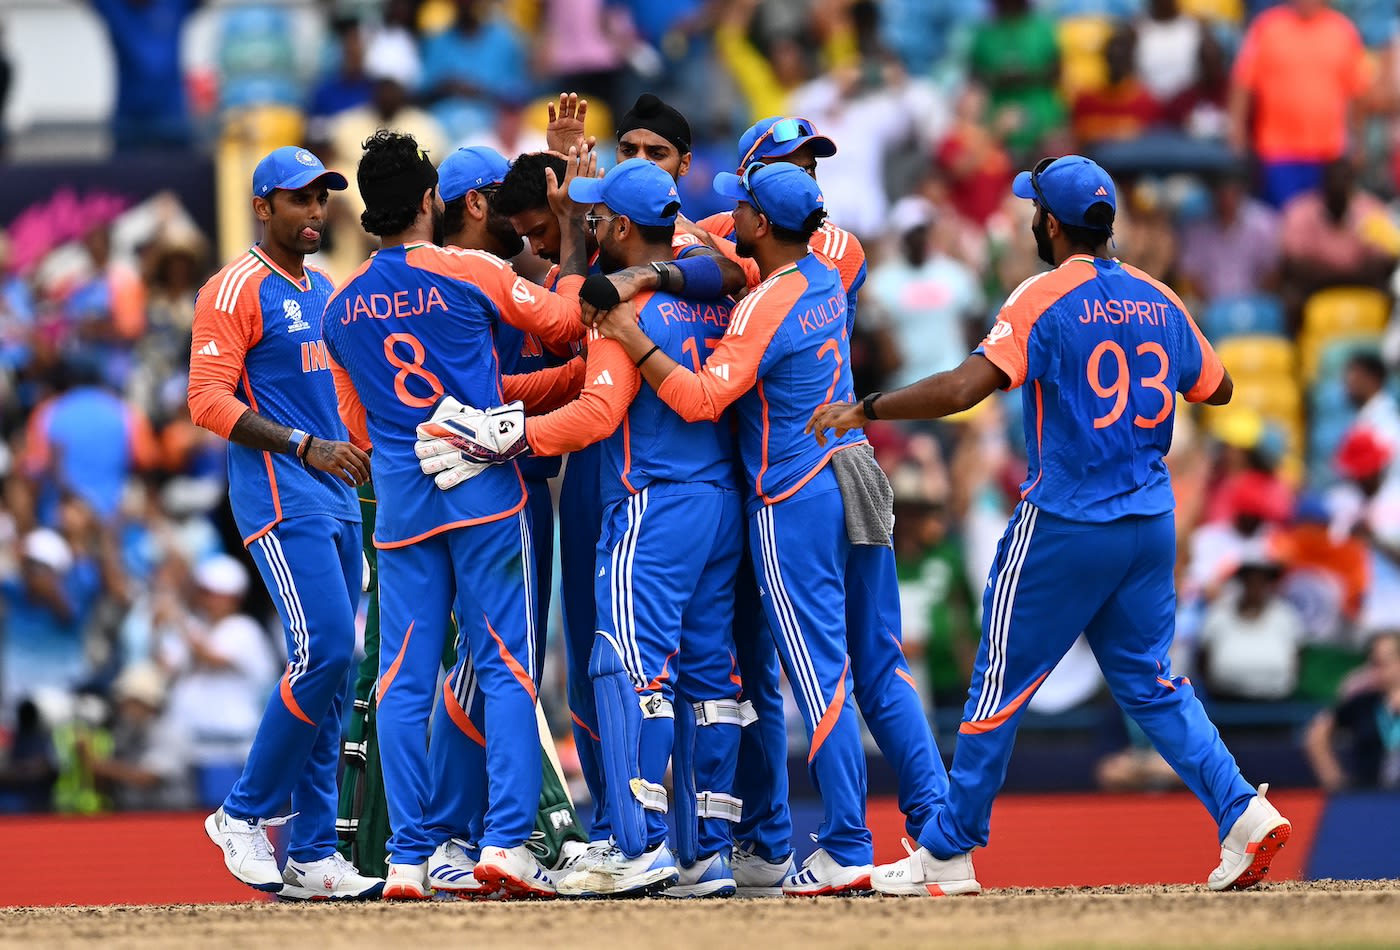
x=1067, y=187
x=784, y=193
x=777, y=136
x=291, y=167
x=468, y=169
x=640, y=189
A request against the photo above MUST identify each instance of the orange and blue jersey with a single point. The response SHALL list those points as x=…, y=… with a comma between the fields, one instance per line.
x=786, y=352
x=1100, y=350
x=522, y=352
x=837, y=245
x=257, y=345
x=415, y=324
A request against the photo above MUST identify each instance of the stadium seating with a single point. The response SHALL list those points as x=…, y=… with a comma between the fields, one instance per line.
x=1339, y=313
x=1256, y=355
x=1082, y=66
x=1253, y=315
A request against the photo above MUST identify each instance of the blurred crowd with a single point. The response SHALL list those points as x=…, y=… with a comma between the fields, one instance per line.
x=1253, y=148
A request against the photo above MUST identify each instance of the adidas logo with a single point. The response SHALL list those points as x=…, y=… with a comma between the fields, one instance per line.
x=1102, y=192
x=722, y=371
x=209, y=349
x=604, y=379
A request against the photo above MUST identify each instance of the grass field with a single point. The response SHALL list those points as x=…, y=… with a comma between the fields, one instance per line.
x=1291, y=914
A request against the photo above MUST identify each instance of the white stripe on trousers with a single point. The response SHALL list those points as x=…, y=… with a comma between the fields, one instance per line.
x=1003, y=606
x=527, y=554
x=296, y=616
x=624, y=606
x=806, y=675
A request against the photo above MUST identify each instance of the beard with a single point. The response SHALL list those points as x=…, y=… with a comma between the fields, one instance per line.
x=1043, y=247
x=743, y=248
x=439, y=227
x=607, y=263
x=509, y=242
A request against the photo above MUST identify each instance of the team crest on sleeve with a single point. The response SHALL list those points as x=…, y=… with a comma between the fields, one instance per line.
x=291, y=309
x=520, y=290
x=1001, y=331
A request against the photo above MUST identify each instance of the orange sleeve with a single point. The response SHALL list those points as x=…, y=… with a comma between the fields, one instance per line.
x=222, y=336
x=732, y=368
x=128, y=303
x=1362, y=72
x=613, y=383
x=545, y=389
x=1008, y=341
x=351, y=409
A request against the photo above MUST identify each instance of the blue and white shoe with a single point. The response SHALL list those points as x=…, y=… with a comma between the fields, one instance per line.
x=756, y=877
x=451, y=871
x=614, y=874
x=707, y=877
x=247, y=851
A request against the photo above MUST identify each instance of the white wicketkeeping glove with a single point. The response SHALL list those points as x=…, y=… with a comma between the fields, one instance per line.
x=458, y=441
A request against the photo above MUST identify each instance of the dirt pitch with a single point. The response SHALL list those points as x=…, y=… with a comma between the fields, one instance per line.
x=1295, y=914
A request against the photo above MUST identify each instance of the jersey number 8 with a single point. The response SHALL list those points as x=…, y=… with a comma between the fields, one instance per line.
x=414, y=368
x=1117, y=390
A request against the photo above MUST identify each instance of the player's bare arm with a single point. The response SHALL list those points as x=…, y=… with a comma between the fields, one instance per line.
x=932, y=397
x=341, y=459
x=1223, y=392
x=573, y=248
x=620, y=324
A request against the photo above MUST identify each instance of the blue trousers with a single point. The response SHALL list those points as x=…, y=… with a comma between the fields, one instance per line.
x=311, y=566
x=580, y=523
x=761, y=779
x=665, y=612
x=483, y=575
x=833, y=609
x=1124, y=601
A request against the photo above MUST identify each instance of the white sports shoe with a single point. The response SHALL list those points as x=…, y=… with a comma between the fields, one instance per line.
x=755, y=877
x=821, y=876
x=923, y=875
x=332, y=878
x=1250, y=846
x=514, y=872
x=406, y=882
x=707, y=877
x=450, y=871
x=613, y=874
x=247, y=852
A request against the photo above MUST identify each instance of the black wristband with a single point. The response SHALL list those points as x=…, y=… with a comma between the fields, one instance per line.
x=304, y=448
x=647, y=355
x=664, y=277
x=868, y=405
x=599, y=292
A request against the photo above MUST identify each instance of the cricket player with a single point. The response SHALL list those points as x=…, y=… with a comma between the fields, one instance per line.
x=407, y=335
x=259, y=378
x=467, y=181
x=664, y=597
x=663, y=134
x=786, y=353
x=1099, y=350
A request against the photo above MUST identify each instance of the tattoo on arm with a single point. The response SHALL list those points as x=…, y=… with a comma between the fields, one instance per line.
x=573, y=251
x=259, y=432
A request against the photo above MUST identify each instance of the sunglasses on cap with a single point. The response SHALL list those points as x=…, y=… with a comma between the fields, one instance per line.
x=747, y=180
x=787, y=129
x=1036, y=172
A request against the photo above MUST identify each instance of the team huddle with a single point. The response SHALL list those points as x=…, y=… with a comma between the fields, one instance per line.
x=722, y=520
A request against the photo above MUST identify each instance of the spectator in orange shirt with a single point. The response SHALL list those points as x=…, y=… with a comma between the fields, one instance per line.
x=1299, y=74
x=1123, y=109
x=973, y=159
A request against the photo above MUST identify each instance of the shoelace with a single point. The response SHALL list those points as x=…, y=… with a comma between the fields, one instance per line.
x=262, y=847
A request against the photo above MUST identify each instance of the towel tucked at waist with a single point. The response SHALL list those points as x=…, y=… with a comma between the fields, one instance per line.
x=867, y=495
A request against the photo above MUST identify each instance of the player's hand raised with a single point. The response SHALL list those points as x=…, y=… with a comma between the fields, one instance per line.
x=581, y=164
x=341, y=459
x=566, y=124
x=841, y=416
